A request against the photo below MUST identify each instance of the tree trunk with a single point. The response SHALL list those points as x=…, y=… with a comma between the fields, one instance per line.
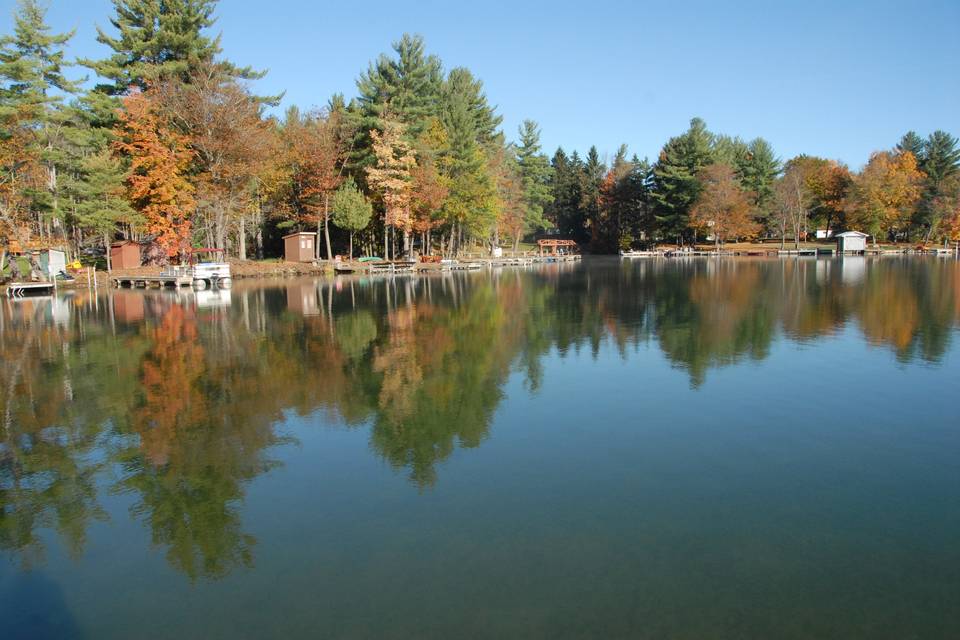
x=242, y=239
x=386, y=238
x=351, y=245
x=326, y=224
x=106, y=247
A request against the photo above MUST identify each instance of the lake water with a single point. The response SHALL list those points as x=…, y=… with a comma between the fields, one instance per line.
x=691, y=448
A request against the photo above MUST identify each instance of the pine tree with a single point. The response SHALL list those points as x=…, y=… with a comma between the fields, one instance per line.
x=565, y=211
x=407, y=87
x=731, y=151
x=471, y=204
x=536, y=175
x=913, y=143
x=461, y=85
x=939, y=160
x=637, y=224
x=591, y=181
x=157, y=39
x=676, y=185
x=757, y=170
x=101, y=201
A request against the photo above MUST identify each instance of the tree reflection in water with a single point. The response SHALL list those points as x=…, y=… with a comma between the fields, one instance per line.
x=177, y=400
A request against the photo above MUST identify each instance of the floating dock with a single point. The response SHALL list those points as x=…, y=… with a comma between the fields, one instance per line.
x=20, y=289
x=153, y=281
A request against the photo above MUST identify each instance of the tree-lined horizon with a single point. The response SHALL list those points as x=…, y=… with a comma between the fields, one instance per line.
x=168, y=143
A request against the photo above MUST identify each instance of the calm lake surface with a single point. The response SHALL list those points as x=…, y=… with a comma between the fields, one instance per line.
x=692, y=448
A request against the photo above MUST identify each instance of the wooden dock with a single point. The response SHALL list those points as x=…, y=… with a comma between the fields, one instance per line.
x=469, y=263
x=20, y=289
x=152, y=281
x=641, y=254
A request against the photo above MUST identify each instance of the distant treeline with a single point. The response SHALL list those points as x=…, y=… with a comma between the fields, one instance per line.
x=170, y=145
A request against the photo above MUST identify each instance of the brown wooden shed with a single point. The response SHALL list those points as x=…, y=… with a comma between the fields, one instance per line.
x=299, y=247
x=125, y=255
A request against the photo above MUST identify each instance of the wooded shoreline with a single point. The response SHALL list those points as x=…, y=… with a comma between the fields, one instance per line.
x=171, y=147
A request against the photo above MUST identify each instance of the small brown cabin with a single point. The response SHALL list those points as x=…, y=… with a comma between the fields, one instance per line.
x=299, y=247
x=124, y=255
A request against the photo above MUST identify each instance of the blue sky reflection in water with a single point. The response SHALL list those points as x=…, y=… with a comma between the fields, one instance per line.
x=701, y=448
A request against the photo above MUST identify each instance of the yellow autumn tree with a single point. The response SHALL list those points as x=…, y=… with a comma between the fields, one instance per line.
x=883, y=195
x=391, y=178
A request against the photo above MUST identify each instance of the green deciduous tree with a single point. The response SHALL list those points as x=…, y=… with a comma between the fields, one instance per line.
x=351, y=209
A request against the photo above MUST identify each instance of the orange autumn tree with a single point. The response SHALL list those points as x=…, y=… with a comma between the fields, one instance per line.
x=722, y=208
x=429, y=193
x=156, y=184
x=20, y=172
x=511, y=221
x=430, y=187
x=230, y=142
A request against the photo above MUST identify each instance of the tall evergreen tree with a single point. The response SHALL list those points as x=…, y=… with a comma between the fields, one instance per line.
x=676, y=185
x=471, y=203
x=591, y=181
x=565, y=211
x=939, y=160
x=913, y=143
x=757, y=170
x=101, y=204
x=731, y=151
x=407, y=86
x=637, y=224
x=158, y=38
x=535, y=173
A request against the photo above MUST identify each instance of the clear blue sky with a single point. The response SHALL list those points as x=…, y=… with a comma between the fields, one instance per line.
x=837, y=79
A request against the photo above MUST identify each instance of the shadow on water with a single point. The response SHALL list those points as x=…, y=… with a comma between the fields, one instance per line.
x=32, y=608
